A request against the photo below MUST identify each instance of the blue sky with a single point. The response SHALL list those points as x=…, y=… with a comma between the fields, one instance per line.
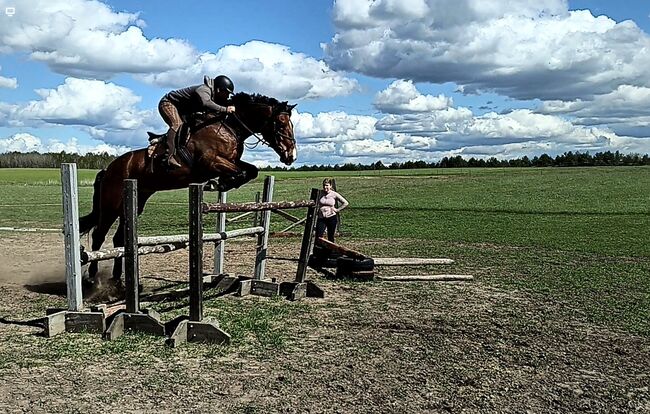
x=389, y=80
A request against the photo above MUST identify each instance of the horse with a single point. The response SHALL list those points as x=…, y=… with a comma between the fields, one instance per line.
x=213, y=151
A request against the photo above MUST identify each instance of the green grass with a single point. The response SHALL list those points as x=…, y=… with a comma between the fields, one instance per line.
x=573, y=234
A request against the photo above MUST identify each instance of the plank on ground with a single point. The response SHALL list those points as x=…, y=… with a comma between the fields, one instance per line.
x=408, y=261
x=426, y=278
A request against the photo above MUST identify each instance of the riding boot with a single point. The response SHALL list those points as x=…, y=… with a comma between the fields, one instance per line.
x=171, y=148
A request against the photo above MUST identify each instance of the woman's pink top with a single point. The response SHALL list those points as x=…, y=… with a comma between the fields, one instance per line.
x=327, y=203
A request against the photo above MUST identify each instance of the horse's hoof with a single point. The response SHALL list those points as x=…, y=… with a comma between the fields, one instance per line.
x=212, y=185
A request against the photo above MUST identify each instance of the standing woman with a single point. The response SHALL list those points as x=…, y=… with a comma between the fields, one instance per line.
x=328, y=213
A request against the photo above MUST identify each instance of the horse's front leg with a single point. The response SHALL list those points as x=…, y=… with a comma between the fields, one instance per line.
x=247, y=172
x=225, y=172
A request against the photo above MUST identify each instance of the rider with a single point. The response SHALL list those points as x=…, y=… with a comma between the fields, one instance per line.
x=212, y=95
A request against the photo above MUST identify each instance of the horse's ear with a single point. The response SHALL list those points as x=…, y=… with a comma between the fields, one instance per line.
x=291, y=107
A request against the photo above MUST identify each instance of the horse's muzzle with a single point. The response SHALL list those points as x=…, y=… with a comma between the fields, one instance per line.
x=288, y=157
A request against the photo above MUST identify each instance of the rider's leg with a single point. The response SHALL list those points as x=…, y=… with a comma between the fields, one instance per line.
x=171, y=116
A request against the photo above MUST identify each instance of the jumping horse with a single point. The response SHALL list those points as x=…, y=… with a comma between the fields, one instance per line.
x=213, y=151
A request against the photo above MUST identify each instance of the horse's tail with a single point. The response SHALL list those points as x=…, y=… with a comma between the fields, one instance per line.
x=88, y=222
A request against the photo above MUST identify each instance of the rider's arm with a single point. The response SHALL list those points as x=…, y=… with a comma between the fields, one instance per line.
x=206, y=99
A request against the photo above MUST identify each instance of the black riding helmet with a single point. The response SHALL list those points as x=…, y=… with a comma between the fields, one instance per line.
x=224, y=83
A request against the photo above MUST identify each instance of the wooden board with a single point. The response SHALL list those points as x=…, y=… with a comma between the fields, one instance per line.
x=409, y=261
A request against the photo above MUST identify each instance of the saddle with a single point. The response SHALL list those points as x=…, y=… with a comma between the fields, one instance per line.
x=191, y=123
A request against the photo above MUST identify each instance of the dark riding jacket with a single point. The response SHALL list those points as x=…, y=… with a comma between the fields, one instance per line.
x=197, y=98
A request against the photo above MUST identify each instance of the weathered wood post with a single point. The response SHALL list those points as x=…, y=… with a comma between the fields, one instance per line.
x=307, y=237
x=301, y=288
x=196, y=328
x=196, y=252
x=220, y=246
x=131, y=260
x=132, y=319
x=263, y=238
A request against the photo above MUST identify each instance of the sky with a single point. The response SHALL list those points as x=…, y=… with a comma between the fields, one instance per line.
x=373, y=80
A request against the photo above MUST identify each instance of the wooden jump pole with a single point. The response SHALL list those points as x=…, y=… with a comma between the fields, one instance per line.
x=339, y=249
x=164, y=244
x=263, y=238
x=240, y=207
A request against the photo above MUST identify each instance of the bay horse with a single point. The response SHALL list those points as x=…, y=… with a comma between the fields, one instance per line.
x=213, y=151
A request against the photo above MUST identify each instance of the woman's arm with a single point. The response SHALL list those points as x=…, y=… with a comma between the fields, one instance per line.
x=343, y=201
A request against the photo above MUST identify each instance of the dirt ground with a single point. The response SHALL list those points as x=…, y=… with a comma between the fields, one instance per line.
x=366, y=348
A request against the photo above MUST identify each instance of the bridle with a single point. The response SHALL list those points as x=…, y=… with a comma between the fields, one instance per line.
x=272, y=118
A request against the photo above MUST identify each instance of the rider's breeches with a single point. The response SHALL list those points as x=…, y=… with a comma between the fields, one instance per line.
x=170, y=114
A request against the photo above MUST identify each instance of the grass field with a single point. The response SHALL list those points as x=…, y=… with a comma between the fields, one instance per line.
x=556, y=320
x=576, y=234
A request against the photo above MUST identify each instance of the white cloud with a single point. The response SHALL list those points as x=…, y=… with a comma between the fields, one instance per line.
x=524, y=49
x=423, y=127
x=104, y=110
x=369, y=148
x=23, y=142
x=402, y=96
x=86, y=37
x=332, y=127
x=266, y=68
x=625, y=110
x=10, y=83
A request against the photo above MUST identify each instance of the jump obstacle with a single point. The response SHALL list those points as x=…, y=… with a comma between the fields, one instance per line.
x=194, y=327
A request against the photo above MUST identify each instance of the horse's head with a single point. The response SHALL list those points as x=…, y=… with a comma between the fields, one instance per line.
x=278, y=132
x=272, y=119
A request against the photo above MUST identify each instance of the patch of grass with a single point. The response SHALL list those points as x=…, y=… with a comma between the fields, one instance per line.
x=256, y=324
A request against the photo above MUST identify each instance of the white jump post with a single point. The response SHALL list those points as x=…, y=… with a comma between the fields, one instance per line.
x=75, y=318
x=71, y=236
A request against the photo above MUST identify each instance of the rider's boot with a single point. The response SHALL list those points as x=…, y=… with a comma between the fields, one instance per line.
x=171, y=149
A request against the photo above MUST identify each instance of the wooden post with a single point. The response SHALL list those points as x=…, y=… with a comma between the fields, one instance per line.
x=257, y=219
x=220, y=246
x=196, y=252
x=196, y=329
x=71, y=236
x=131, y=262
x=307, y=237
x=263, y=238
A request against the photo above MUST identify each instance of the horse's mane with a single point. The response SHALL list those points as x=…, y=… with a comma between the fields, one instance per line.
x=245, y=99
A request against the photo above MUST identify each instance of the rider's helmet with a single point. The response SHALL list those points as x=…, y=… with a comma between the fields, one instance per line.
x=224, y=83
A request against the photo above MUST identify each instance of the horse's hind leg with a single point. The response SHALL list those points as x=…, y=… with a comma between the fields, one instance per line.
x=118, y=241
x=99, y=236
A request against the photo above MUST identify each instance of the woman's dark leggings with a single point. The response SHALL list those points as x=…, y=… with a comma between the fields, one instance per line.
x=329, y=223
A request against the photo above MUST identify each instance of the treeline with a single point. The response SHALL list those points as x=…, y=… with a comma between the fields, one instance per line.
x=54, y=160
x=568, y=159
